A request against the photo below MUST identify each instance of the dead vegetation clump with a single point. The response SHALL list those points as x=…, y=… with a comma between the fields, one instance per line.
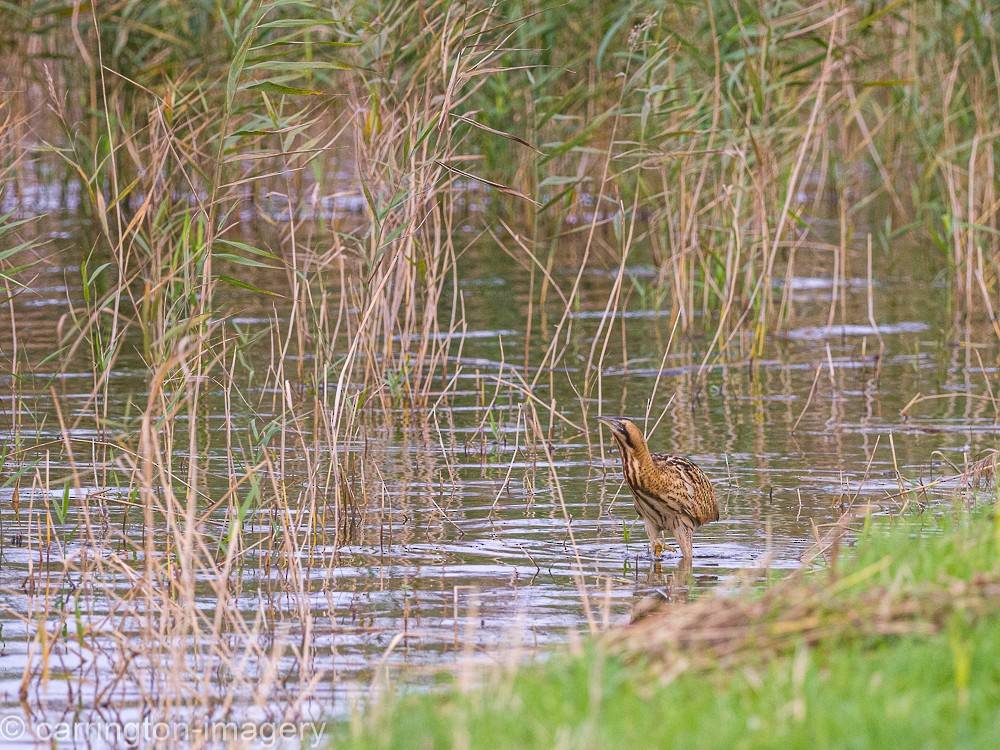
x=727, y=631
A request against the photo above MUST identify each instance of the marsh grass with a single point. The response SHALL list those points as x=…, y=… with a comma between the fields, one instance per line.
x=701, y=137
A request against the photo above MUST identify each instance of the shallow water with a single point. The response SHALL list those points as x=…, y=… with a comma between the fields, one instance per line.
x=478, y=550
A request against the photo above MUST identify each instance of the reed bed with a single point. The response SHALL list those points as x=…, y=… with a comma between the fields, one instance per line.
x=370, y=146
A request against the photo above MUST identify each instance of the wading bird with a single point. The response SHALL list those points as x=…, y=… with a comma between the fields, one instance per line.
x=670, y=492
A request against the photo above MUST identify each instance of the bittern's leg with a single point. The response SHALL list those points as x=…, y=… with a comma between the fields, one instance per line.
x=684, y=535
x=656, y=546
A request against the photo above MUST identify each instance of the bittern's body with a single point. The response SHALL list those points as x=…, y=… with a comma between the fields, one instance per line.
x=670, y=492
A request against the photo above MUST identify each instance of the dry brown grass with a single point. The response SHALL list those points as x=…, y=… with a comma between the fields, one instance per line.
x=727, y=631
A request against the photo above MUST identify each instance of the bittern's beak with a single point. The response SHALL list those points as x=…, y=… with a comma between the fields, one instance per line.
x=615, y=423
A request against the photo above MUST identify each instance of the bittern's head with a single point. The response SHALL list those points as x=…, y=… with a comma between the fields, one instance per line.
x=626, y=433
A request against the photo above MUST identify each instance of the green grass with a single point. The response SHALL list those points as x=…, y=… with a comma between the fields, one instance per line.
x=939, y=690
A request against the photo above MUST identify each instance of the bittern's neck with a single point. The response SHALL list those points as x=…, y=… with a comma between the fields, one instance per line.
x=636, y=450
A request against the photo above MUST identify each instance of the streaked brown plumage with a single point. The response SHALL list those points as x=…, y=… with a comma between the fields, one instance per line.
x=670, y=492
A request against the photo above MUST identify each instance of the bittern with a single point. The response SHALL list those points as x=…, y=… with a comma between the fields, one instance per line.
x=670, y=492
